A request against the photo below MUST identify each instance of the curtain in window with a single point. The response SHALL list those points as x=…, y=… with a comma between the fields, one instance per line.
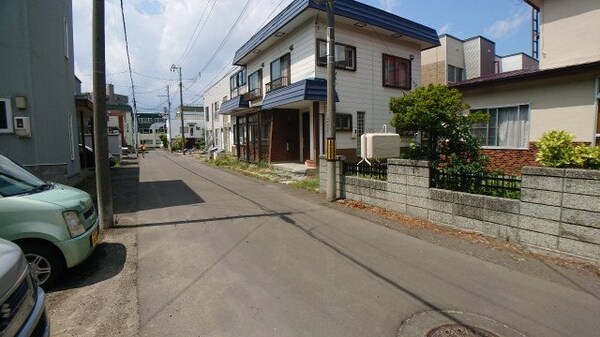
x=513, y=126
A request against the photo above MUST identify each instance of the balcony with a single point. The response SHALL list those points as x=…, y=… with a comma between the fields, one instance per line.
x=278, y=83
x=253, y=94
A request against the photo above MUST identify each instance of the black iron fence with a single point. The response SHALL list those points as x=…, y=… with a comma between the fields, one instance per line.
x=376, y=170
x=480, y=183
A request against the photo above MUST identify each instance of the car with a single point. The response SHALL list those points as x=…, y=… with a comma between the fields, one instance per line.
x=87, y=153
x=22, y=301
x=55, y=225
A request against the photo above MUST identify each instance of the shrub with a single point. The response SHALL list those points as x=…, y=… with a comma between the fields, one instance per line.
x=556, y=149
x=164, y=140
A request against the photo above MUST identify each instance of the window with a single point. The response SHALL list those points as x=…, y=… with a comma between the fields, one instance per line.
x=280, y=73
x=345, y=55
x=396, y=72
x=507, y=127
x=343, y=122
x=215, y=107
x=455, y=74
x=360, y=128
x=207, y=114
x=237, y=82
x=66, y=38
x=6, y=125
x=254, y=85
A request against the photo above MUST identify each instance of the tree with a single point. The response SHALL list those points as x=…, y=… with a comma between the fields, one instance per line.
x=437, y=113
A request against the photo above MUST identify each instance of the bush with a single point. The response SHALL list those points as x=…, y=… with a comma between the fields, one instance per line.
x=556, y=149
x=164, y=140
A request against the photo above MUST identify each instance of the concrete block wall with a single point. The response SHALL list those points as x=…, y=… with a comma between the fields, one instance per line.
x=559, y=209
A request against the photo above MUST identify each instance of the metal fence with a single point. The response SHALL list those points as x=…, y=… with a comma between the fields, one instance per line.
x=375, y=171
x=480, y=183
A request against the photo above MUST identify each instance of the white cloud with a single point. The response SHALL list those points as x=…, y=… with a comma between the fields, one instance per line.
x=507, y=27
x=445, y=28
x=388, y=5
x=158, y=33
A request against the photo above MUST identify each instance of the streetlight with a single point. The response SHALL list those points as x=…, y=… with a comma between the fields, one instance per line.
x=173, y=69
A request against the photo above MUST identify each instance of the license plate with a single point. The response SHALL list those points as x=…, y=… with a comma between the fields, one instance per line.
x=95, y=238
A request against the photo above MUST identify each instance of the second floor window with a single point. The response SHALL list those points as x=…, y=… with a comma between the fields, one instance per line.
x=455, y=74
x=345, y=55
x=343, y=122
x=237, y=82
x=280, y=73
x=215, y=108
x=254, y=85
x=396, y=72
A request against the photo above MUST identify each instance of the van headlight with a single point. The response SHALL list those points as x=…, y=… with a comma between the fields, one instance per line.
x=74, y=223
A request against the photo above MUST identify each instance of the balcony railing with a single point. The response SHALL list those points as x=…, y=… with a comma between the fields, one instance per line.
x=278, y=83
x=253, y=94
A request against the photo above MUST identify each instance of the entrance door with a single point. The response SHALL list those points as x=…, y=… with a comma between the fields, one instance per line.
x=305, y=136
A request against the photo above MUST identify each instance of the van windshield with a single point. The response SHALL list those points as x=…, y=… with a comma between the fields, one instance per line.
x=15, y=180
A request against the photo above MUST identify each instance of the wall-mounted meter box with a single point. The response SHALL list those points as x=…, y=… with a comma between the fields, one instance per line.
x=22, y=127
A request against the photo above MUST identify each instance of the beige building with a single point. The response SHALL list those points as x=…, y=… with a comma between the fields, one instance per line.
x=562, y=94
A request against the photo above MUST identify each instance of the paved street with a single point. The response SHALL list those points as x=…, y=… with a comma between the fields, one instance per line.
x=220, y=254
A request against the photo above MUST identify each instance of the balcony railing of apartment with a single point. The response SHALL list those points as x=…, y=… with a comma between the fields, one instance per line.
x=253, y=94
x=278, y=83
x=239, y=91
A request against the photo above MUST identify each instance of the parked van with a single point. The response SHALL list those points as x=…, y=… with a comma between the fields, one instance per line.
x=21, y=299
x=55, y=225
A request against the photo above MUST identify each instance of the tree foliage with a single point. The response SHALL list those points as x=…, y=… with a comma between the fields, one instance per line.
x=437, y=113
x=556, y=149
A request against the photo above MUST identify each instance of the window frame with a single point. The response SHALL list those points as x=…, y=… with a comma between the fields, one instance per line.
x=455, y=71
x=384, y=73
x=237, y=82
x=254, y=92
x=485, y=142
x=322, y=60
x=344, y=127
x=284, y=80
x=9, y=115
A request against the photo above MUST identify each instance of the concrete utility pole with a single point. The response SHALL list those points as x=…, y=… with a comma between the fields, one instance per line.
x=103, y=187
x=173, y=69
x=330, y=113
x=169, y=117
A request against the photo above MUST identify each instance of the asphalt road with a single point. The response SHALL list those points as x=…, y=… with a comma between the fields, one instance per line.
x=220, y=254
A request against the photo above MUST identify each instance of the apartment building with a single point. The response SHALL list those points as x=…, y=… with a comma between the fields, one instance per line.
x=276, y=97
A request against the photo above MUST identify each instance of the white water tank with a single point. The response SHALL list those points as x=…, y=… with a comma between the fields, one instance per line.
x=379, y=145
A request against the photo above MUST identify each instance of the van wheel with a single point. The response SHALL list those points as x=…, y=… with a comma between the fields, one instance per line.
x=45, y=263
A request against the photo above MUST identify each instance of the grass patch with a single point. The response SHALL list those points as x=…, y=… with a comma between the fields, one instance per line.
x=310, y=184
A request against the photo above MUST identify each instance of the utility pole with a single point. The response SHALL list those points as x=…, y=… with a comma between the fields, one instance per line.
x=103, y=187
x=330, y=113
x=173, y=69
x=169, y=117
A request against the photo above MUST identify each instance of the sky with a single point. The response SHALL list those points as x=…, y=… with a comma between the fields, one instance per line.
x=201, y=37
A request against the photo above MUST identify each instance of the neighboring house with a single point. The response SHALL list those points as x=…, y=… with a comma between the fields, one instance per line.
x=38, y=120
x=193, y=125
x=457, y=60
x=120, y=116
x=150, y=125
x=219, y=129
x=277, y=97
x=562, y=94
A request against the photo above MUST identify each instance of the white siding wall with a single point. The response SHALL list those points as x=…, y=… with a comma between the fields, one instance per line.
x=569, y=32
x=362, y=90
x=510, y=63
x=455, y=53
x=216, y=93
x=472, y=58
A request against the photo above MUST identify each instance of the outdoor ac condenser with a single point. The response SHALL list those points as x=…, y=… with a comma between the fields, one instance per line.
x=379, y=145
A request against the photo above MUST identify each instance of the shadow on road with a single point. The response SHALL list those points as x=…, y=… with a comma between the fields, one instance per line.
x=105, y=262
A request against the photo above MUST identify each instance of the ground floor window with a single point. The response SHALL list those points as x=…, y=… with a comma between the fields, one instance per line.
x=5, y=116
x=507, y=127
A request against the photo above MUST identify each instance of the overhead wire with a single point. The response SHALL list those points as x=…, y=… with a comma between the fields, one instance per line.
x=195, y=36
x=129, y=65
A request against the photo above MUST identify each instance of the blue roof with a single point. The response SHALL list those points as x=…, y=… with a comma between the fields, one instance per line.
x=234, y=104
x=314, y=89
x=346, y=8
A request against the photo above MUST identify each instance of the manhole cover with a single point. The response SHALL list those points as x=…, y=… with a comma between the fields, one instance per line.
x=459, y=330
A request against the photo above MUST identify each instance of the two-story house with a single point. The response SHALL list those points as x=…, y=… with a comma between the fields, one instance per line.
x=193, y=125
x=562, y=94
x=277, y=96
x=219, y=128
x=38, y=120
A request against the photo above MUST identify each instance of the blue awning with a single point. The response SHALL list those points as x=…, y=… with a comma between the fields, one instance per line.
x=306, y=90
x=235, y=104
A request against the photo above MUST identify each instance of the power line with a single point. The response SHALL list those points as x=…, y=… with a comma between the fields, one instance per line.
x=129, y=66
x=195, y=36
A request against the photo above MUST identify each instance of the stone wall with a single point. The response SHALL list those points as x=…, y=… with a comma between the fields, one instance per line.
x=559, y=209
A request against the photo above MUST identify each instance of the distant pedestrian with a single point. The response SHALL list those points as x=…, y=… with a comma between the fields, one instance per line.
x=143, y=150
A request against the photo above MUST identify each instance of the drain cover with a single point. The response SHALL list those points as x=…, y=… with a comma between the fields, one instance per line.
x=459, y=330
